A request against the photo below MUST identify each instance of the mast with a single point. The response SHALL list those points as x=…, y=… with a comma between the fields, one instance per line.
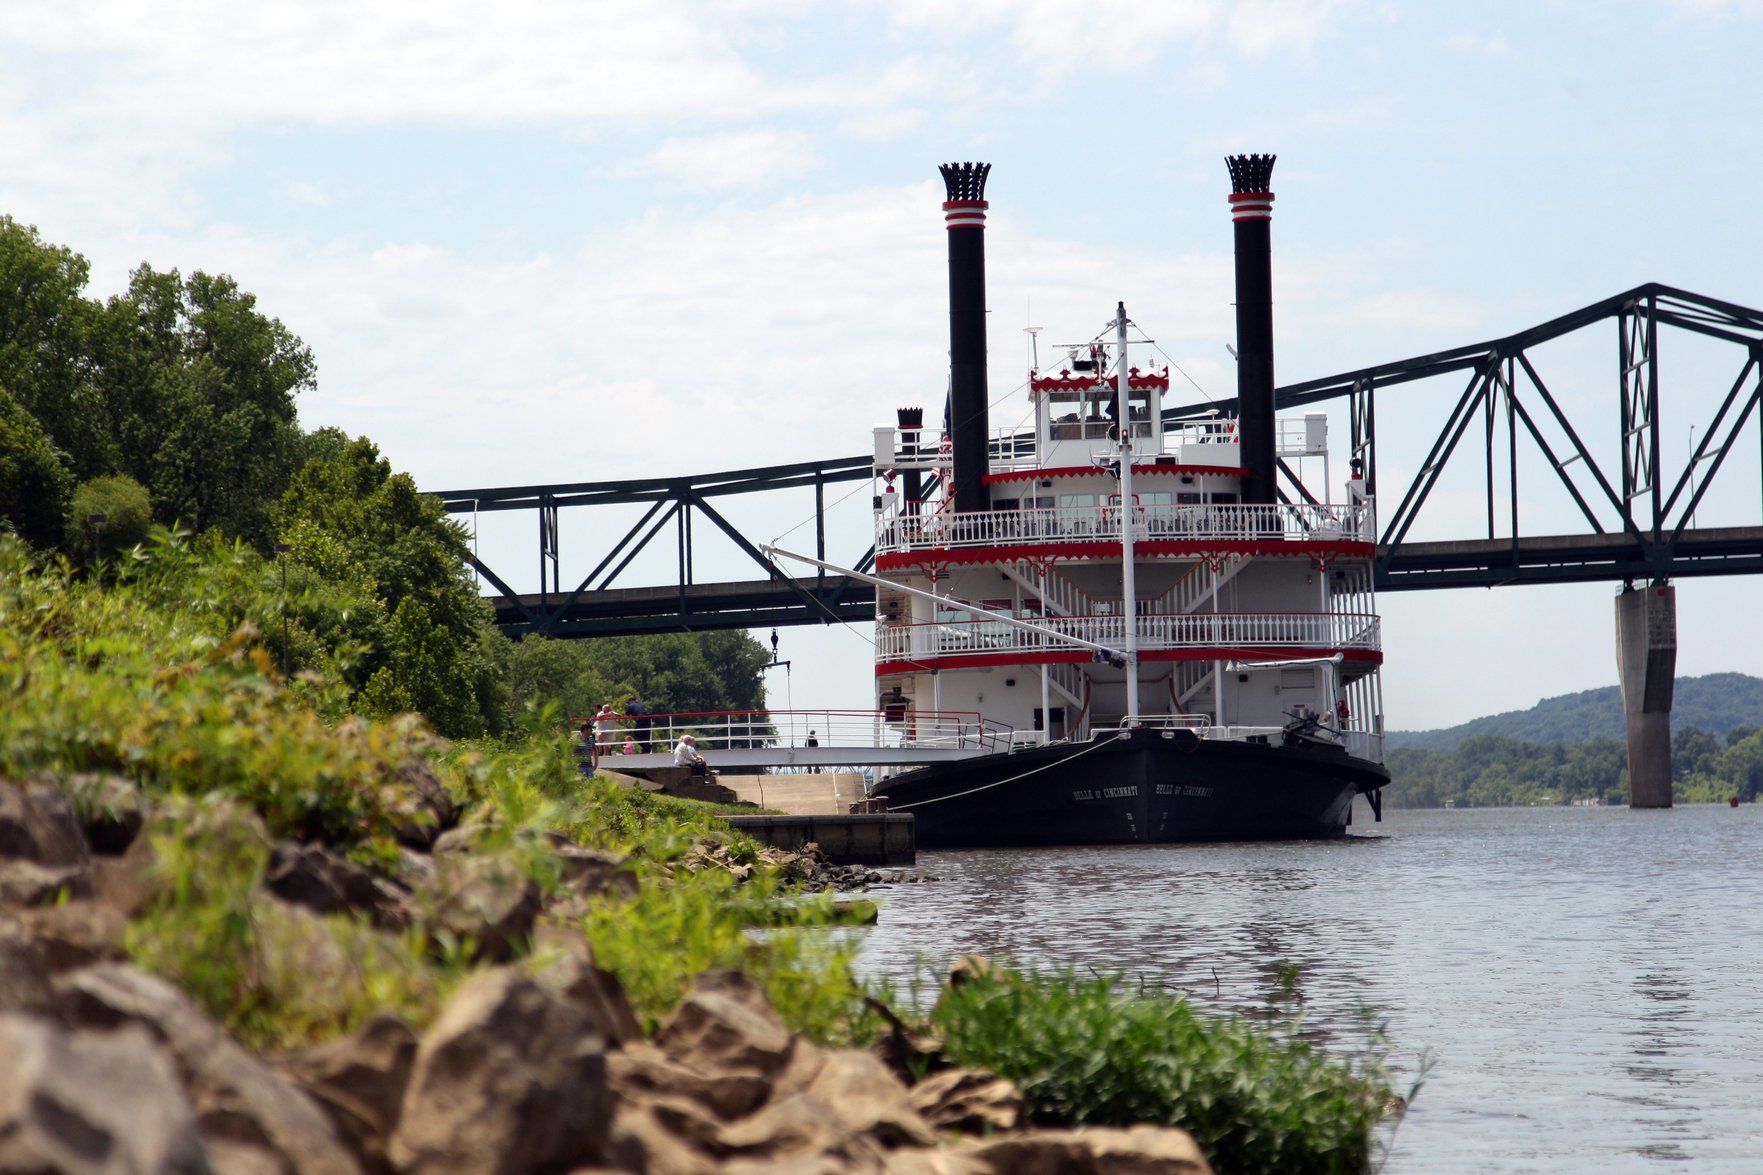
x=1128, y=584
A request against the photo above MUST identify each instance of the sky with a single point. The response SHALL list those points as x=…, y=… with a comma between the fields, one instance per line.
x=549, y=242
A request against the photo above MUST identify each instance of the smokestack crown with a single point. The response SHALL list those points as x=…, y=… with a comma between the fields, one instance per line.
x=1250, y=173
x=965, y=181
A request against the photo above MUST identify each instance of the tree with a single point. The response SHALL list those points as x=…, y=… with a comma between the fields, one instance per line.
x=45, y=358
x=202, y=388
x=34, y=485
x=109, y=514
x=350, y=519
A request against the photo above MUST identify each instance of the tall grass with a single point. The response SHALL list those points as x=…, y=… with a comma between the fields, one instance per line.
x=1084, y=1051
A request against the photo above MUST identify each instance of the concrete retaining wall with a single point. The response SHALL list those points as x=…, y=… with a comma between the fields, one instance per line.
x=888, y=839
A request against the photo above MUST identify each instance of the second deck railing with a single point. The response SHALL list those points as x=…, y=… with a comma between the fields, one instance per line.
x=900, y=533
x=1319, y=632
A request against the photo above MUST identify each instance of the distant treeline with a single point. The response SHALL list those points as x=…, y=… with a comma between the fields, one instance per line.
x=164, y=417
x=1493, y=770
x=1717, y=703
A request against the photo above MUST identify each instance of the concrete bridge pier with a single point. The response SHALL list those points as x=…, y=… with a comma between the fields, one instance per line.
x=1646, y=664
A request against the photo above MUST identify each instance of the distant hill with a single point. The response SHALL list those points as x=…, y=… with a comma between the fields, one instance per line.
x=1716, y=703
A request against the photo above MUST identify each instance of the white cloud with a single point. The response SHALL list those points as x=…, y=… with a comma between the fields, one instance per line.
x=739, y=159
x=1488, y=44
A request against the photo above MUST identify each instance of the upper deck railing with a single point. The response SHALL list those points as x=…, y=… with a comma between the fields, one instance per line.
x=900, y=533
x=1312, y=631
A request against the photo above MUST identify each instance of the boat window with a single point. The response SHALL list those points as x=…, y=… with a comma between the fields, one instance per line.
x=1042, y=503
x=1160, y=498
x=1188, y=499
x=1076, y=501
x=1223, y=499
x=1004, y=503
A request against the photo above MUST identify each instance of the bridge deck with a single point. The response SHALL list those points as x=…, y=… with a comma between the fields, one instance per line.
x=1412, y=566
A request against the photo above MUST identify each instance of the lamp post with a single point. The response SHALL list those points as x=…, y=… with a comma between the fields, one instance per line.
x=96, y=522
x=281, y=557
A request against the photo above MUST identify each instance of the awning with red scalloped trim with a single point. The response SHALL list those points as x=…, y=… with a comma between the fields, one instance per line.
x=1137, y=471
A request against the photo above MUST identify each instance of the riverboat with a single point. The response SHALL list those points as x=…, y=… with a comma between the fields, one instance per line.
x=1180, y=633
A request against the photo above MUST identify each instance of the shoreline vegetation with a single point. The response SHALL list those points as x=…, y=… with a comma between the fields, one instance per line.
x=345, y=943
x=297, y=872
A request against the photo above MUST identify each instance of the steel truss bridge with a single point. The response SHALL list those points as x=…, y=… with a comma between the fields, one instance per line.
x=1495, y=412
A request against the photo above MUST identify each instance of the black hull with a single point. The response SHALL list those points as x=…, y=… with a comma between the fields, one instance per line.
x=1147, y=787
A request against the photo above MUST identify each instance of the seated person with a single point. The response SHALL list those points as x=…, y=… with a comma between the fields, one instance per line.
x=686, y=755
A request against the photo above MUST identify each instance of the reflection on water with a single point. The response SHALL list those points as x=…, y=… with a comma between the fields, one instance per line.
x=1586, y=980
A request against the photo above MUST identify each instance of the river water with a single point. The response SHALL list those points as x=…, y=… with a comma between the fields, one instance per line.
x=1587, y=982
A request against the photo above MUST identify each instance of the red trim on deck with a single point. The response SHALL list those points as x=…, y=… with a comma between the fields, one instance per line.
x=1221, y=653
x=1137, y=471
x=1149, y=548
x=1068, y=382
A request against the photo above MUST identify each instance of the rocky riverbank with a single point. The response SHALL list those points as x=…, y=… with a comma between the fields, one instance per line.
x=536, y=1059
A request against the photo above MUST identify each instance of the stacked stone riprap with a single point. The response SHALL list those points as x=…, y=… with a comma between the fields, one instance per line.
x=538, y=1065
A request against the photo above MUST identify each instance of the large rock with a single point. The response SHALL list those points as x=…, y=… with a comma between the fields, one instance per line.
x=420, y=806
x=77, y=934
x=643, y=1072
x=322, y=881
x=24, y=971
x=360, y=1080
x=574, y=977
x=245, y=1110
x=509, y=1078
x=726, y=1025
x=864, y=1098
x=109, y=808
x=91, y=1101
x=43, y=854
x=1136, y=1150
x=488, y=902
x=972, y=1101
x=797, y=1132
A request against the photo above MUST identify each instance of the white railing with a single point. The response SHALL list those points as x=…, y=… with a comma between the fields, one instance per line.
x=1361, y=744
x=858, y=729
x=1285, y=521
x=1319, y=631
x=1019, y=448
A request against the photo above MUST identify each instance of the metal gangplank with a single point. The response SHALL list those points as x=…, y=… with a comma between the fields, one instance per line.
x=741, y=740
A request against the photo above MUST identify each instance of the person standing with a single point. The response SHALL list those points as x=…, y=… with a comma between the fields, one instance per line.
x=605, y=730
x=641, y=723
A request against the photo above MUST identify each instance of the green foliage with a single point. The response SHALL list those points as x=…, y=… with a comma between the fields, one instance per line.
x=46, y=328
x=1083, y=1052
x=186, y=699
x=1735, y=770
x=658, y=940
x=274, y=974
x=201, y=387
x=34, y=485
x=1717, y=702
x=1493, y=771
x=126, y=516
x=429, y=645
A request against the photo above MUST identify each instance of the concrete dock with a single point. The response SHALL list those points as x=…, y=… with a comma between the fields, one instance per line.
x=881, y=839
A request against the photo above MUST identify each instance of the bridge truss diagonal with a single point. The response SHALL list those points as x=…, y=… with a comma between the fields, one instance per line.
x=1493, y=408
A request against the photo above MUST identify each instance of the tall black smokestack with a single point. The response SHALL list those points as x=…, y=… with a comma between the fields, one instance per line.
x=1251, y=211
x=965, y=213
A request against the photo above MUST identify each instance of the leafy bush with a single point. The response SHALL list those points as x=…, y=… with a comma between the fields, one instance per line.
x=121, y=508
x=1085, y=1053
x=34, y=484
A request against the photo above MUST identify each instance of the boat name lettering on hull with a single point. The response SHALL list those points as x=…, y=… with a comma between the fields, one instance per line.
x=1106, y=793
x=1170, y=789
